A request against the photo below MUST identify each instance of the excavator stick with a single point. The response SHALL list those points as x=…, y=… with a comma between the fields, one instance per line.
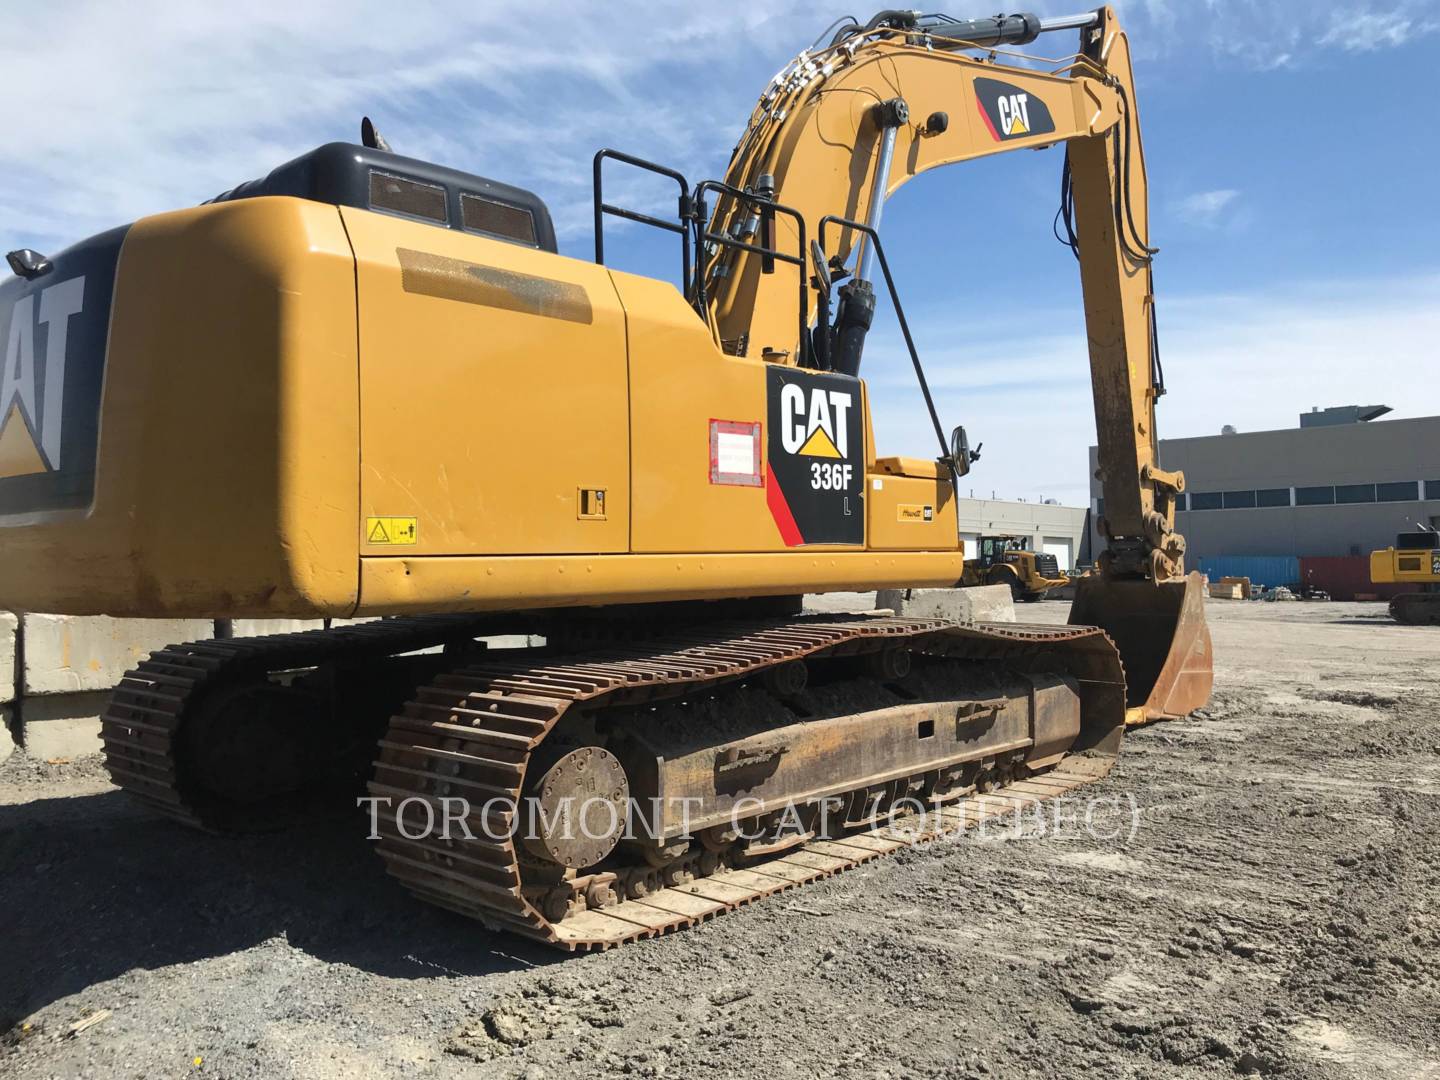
x=1162, y=636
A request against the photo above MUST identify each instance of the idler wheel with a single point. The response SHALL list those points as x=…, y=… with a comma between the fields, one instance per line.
x=576, y=812
x=889, y=664
x=788, y=680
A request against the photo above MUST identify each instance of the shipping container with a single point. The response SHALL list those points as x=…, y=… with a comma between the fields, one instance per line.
x=1266, y=570
x=1342, y=576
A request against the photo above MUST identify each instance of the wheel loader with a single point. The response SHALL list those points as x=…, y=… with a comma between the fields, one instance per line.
x=1415, y=558
x=367, y=389
x=1008, y=561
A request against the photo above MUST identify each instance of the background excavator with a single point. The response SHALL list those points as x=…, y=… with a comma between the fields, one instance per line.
x=1415, y=559
x=450, y=425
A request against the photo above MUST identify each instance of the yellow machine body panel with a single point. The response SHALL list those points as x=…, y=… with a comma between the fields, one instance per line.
x=909, y=504
x=1400, y=566
x=680, y=384
x=224, y=480
x=492, y=392
x=311, y=410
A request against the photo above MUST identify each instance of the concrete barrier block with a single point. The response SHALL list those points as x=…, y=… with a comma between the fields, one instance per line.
x=65, y=654
x=983, y=603
x=8, y=623
x=63, y=725
x=261, y=627
x=840, y=601
x=514, y=641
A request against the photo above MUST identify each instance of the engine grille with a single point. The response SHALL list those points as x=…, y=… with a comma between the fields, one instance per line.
x=1046, y=565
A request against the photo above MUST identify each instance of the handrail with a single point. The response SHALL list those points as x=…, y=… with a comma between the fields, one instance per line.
x=874, y=238
x=692, y=227
x=686, y=208
x=768, y=209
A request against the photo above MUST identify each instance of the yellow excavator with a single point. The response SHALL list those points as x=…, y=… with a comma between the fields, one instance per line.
x=1414, y=560
x=367, y=387
x=1008, y=561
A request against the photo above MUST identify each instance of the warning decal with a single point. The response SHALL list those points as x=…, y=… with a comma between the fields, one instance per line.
x=815, y=468
x=392, y=530
x=735, y=453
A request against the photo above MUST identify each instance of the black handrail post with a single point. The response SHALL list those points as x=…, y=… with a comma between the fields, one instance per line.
x=701, y=301
x=599, y=211
x=602, y=208
x=874, y=238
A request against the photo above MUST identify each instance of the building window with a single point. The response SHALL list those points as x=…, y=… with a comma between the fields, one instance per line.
x=1354, y=493
x=1432, y=489
x=1239, y=500
x=1404, y=491
x=1206, y=500
x=1314, y=496
x=1272, y=497
x=1181, y=501
x=1099, y=508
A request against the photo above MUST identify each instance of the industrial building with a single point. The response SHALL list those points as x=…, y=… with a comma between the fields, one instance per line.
x=1323, y=494
x=1054, y=529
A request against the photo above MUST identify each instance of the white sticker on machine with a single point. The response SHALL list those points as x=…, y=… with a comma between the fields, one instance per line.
x=735, y=453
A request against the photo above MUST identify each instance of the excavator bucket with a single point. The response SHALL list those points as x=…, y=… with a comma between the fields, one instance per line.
x=1163, y=640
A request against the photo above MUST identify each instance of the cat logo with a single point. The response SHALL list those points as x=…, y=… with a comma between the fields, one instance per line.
x=32, y=390
x=817, y=428
x=815, y=457
x=1010, y=112
x=1014, y=120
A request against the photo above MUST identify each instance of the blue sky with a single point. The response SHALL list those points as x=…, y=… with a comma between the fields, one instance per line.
x=1292, y=149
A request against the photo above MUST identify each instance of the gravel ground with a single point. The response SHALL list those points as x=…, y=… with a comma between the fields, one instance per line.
x=1275, y=910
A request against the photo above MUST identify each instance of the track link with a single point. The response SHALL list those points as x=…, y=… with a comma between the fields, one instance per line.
x=1416, y=609
x=471, y=733
x=141, y=725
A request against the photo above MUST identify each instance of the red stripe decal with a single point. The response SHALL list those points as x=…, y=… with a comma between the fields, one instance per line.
x=986, y=117
x=780, y=510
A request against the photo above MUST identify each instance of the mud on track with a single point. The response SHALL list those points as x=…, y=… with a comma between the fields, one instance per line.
x=1275, y=912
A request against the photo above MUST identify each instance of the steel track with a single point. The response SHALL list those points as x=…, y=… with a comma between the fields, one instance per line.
x=471, y=733
x=140, y=728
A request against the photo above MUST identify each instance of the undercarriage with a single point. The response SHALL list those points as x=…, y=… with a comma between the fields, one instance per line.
x=588, y=794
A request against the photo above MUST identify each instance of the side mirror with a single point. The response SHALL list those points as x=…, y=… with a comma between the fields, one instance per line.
x=960, y=452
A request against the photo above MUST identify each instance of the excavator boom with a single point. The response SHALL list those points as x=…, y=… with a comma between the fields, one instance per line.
x=843, y=127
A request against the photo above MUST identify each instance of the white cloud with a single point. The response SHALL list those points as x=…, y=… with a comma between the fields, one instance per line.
x=1278, y=34
x=1205, y=207
x=1365, y=30
x=121, y=110
x=1256, y=361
